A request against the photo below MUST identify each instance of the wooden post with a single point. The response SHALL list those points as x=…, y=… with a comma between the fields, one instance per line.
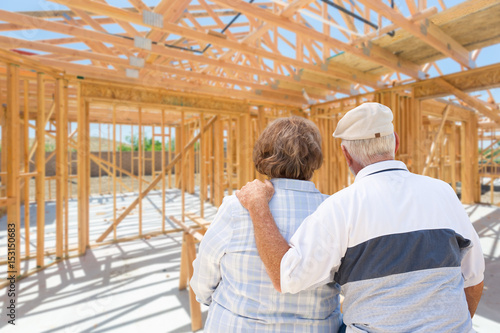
x=194, y=306
x=229, y=155
x=83, y=156
x=100, y=156
x=132, y=160
x=169, y=151
x=40, y=168
x=218, y=162
x=178, y=149
x=244, y=148
x=453, y=163
x=191, y=173
x=140, y=159
x=67, y=167
x=121, y=160
x=181, y=164
x=26, y=160
x=61, y=135
x=109, y=157
x=13, y=207
x=202, y=161
x=163, y=198
x=114, y=169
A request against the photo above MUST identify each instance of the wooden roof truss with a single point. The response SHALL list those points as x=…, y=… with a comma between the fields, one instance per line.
x=295, y=52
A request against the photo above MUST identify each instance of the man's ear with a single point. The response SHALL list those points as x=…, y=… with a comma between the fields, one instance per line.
x=397, y=142
x=347, y=156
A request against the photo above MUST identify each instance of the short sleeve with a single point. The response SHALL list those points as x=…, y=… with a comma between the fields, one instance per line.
x=317, y=248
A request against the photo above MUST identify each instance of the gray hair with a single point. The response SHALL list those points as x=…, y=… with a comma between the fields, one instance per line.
x=369, y=151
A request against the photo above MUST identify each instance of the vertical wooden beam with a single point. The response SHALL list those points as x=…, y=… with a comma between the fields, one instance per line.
x=453, y=153
x=100, y=157
x=13, y=147
x=109, y=158
x=114, y=169
x=202, y=159
x=178, y=150
x=191, y=174
x=40, y=168
x=194, y=306
x=474, y=157
x=182, y=177
x=169, y=152
x=153, y=140
x=140, y=159
x=3, y=153
x=163, y=198
x=218, y=162
x=83, y=172
x=132, y=153
x=61, y=137
x=67, y=167
x=87, y=166
x=229, y=154
x=26, y=160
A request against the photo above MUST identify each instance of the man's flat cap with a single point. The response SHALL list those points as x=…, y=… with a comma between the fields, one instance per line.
x=367, y=121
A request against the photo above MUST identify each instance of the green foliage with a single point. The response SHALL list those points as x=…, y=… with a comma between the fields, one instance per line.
x=147, y=144
x=49, y=147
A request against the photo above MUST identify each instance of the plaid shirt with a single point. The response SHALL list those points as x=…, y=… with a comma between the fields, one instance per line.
x=230, y=276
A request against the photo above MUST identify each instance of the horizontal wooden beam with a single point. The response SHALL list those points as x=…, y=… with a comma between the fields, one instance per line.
x=481, y=78
x=160, y=69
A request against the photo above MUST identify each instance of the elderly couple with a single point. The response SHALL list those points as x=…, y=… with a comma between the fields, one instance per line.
x=399, y=246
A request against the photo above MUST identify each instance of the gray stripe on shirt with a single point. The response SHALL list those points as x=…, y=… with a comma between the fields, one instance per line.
x=401, y=253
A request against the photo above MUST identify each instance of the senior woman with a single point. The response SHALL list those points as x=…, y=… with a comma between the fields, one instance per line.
x=229, y=275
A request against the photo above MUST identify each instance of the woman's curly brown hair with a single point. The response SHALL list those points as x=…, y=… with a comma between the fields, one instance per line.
x=289, y=148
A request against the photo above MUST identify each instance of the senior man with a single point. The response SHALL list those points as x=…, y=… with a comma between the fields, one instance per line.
x=400, y=245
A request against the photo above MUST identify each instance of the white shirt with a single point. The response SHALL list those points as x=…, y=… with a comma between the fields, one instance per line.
x=395, y=241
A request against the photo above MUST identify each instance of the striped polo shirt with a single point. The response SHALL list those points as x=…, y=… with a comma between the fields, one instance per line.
x=400, y=245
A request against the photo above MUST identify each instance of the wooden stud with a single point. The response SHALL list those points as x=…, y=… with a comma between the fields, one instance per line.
x=140, y=160
x=183, y=174
x=114, y=169
x=163, y=187
x=13, y=208
x=61, y=147
x=40, y=168
x=26, y=160
x=203, y=169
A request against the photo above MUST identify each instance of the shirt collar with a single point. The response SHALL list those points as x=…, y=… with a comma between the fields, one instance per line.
x=379, y=166
x=294, y=184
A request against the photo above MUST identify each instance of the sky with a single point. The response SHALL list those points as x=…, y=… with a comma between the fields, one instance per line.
x=486, y=57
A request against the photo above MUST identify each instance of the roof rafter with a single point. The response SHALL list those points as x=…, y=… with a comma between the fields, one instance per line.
x=428, y=32
x=370, y=52
x=84, y=34
x=101, y=9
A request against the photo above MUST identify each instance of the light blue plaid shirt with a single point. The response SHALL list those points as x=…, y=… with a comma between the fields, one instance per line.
x=230, y=276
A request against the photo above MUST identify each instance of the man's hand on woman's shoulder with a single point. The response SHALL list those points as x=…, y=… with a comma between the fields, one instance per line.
x=255, y=194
